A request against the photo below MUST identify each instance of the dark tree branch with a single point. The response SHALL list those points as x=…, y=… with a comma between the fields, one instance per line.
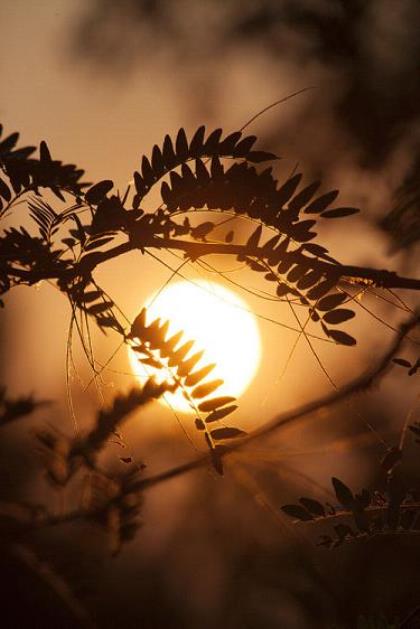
x=194, y=250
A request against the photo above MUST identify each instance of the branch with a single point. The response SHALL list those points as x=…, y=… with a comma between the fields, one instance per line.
x=194, y=250
x=358, y=385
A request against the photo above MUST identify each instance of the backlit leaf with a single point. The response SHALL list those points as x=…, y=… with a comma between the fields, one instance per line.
x=207, y=388
x=227, y=432
x=221, y=413
x=193, y=378
x=214, y=403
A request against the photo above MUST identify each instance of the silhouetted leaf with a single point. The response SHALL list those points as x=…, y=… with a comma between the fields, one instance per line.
x=313, y=506
x=338, y=316
x=165, y=193
x=304, y=196
x=186, y=366
x=169, y=152
x=98, y=242
x=227, y=432
x=69, y=242
x=402, y=362
x=197, y=142
x=296, y=272
x=96, y=193
x=199, y=424
x=8, y=143
x=315, y=249
x=206, y=389
x=321, y=289
x=4, y=191
x=228, y=145
x=244, y=146
x=181, y=145
x=254, y=239
x=221, y=413
x=301, y=231
x=282, y=290
x=44, y=152
x=179, y=354
x=309, y=279
x=331, y=301
x=297, y=512
x=256, y=266
x=147, y=172
x=170, y=345
x=92, y=296
x=202, y=230
x=340, y=212
x=212, y=143
x=341, y=337
x=158, y=164
x=99, y=308
x=229, y=236
x=321, y=203
x=152, y=362
x=215, y=403
x=260, y=156
x=287, y=189
x=271, y=277
x=139, y=324
x=193, y=378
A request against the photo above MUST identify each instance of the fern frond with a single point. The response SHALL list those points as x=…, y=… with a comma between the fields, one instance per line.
x=155, y=348
x=173, y=155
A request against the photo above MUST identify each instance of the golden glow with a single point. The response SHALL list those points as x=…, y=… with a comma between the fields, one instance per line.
x=220, y=323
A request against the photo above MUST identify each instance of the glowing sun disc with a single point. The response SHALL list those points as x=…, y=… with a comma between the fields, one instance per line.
x=219, y=322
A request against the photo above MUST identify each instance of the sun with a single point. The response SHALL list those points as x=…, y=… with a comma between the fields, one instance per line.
x=219, y=322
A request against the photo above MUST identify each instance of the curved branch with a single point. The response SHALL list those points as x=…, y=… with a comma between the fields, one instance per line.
x=194, y=250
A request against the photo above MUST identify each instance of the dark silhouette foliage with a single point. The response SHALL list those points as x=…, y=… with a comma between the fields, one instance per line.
x=90, y=224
